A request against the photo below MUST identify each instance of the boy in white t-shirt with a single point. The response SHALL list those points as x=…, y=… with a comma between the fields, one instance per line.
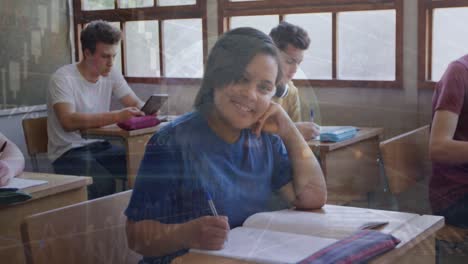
x=79, y=98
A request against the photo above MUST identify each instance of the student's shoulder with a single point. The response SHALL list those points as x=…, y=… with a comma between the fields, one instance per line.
x=271, y=137
x=182, y=127
x=187, y=120
x=456, y=69
x=114, y=75
x=65, y=70
x=265, y=137
x=292, y=88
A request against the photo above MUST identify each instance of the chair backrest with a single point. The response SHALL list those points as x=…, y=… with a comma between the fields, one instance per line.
x=88, y=232
x=406, y=159
x=35, y=134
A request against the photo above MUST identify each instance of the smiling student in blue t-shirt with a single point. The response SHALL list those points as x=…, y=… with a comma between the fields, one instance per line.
x=237, y=145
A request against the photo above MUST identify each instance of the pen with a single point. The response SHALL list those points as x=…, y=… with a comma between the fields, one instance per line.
x=211, y=204
x=3, y=148
x=312, y=120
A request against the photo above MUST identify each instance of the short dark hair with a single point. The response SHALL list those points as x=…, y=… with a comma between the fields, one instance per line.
x=99, y=31
x=228, y=60
x=286, y=33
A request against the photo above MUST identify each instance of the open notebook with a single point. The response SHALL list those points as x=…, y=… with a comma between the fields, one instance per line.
x=286, y=236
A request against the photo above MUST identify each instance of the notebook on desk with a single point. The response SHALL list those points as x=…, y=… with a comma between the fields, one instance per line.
x=337, y=133
x=287, y=236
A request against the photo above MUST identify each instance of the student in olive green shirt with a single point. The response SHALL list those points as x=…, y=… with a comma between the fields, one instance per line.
x=292, y=41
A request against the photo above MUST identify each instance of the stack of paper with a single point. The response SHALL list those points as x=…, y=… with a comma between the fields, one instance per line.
x=337, y=133
x=20, y=183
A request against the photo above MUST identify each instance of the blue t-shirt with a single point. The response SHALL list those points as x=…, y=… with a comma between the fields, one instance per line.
x=186, y=157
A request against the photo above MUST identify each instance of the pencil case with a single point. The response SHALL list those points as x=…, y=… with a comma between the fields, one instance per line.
x=12, y=195
x=359, y=247
x=139, y=122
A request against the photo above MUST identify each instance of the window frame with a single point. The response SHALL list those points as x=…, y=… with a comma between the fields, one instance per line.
x=425, y=32
x=155, y=13
x=227, y=9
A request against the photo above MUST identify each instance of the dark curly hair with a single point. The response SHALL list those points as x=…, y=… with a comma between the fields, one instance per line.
x=99, y=31
x=286, y=33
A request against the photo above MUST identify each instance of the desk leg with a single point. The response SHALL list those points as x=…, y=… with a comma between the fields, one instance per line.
x=135, y=152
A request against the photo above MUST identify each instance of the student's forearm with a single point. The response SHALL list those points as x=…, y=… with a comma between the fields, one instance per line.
x=308, y=182
x=449, y=151
x=131, y=100
x=79, y=121
x=443, y=147
x=152, y=238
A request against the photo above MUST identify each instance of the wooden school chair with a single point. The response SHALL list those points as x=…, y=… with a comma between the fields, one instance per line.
x=88, y=232
x=36, y=138
x=407, y=167
x=35, y=135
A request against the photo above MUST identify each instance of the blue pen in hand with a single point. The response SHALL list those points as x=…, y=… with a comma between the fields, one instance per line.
x=312, y=120
x=211, y=204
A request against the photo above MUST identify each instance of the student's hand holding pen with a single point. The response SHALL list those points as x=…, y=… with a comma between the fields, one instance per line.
x=207, y=232
x=309, y=130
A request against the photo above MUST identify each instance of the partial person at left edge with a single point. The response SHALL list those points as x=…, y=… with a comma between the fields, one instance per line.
x=78, y=98
x=11, y=160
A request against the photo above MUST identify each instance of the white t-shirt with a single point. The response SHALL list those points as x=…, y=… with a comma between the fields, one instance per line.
x=67, y=85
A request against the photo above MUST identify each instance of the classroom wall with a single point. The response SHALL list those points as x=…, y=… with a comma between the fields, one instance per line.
x=396, y=110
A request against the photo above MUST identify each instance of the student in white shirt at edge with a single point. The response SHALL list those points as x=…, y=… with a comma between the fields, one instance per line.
x=79, y=97
x=292, y=41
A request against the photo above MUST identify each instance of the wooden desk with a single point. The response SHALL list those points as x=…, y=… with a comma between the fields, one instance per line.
x=416, y=233
x=61, y=190
x=350, y=167
x=134, y=141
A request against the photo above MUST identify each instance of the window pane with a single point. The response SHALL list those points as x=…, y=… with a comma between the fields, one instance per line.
x=317, y=63
x=450, y=38
x=98, y=4
x=118, y=56
x=135, y=3
x=366, y=45
x=262, y=23
x=183, y=48
x=176, y=2
x=142, y=49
